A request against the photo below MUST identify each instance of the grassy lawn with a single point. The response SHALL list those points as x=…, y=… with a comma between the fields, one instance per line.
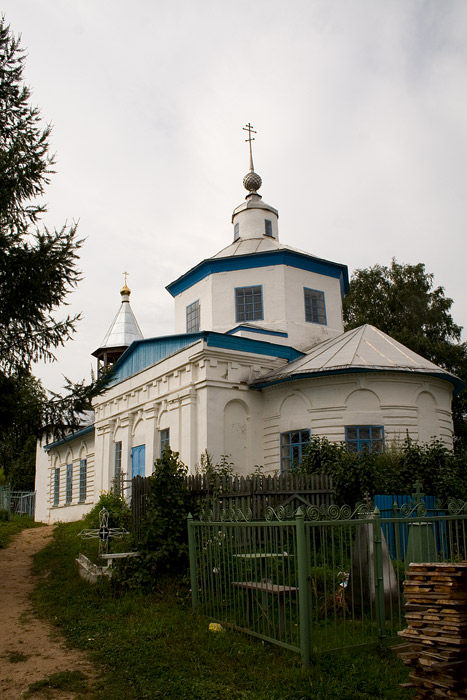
x=10, y=528
x=155, y=647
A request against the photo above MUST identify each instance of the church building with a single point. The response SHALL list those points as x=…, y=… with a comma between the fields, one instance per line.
x=259, y=361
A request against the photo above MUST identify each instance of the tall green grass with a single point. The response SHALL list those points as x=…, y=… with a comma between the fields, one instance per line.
x=155, y=647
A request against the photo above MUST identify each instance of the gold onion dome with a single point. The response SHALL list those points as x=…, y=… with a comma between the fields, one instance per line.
x=252, y=181
x=125, y=290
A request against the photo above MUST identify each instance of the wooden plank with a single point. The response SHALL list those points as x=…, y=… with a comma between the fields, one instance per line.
x=264, y=587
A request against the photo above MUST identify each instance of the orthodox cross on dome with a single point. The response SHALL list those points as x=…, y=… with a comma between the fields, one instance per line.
x=252, y=181
x=104, y=533
x=250, y=130
x=125, y=289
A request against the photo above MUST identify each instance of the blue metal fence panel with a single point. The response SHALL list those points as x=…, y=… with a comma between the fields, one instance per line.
x=385, y=505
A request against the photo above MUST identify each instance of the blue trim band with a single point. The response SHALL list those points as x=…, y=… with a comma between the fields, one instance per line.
x=257, y=347
x=256, y=260
x=68, y=438
x=265, y=331
x=457, y=383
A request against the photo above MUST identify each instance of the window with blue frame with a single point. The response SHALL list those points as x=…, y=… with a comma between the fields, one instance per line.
x=293, y=443
x=118, y=458
x=56, y=486
x=192, y=317
x=165, y=439
x=249, y=303
x=69, y=483
x=315, y=309
x=82, y=480
x=364, y=438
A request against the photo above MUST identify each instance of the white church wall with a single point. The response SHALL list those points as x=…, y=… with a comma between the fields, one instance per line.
x=71, y=452
x=418, y=407
x=251, y=222
x=234, y=427
x=185, y=394
x=42, y=483
x=235, y=432
x=303, y=334
x=283, y=303
x=202, y=292
x=271, y=279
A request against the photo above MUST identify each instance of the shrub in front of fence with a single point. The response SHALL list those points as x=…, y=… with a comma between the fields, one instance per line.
x=117, y=507
x=162, y=534
x=443, y=472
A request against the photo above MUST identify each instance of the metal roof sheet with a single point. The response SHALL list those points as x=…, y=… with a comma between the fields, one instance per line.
x=362, y=349
x=123, y=330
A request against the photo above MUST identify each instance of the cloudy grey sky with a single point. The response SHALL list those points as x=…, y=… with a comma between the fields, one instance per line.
x=360, y=108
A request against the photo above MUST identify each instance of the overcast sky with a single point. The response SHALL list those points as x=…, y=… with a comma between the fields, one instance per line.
x=360, y=108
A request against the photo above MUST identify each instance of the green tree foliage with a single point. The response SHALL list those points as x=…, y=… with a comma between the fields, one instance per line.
x=21, y=415
x=402, y=301
x=118, y=509
x=38, y=269
x=163, y=544
x=442, y=472
x=164, y=531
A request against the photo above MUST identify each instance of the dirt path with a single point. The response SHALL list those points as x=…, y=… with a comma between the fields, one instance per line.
x=30, y=648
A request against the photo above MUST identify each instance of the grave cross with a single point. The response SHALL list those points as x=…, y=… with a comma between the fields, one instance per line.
x=104, y=533
x=418, y=495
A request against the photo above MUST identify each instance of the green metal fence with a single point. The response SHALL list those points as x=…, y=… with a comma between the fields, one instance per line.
x=314, y=581
x=17, y=502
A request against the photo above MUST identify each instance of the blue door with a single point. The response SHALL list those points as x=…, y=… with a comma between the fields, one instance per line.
x=137, y=460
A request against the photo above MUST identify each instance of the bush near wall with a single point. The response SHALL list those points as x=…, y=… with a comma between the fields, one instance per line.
x=442, y=472
x=162, y=541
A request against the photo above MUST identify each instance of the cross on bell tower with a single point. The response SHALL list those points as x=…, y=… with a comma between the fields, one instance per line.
x=252, y=181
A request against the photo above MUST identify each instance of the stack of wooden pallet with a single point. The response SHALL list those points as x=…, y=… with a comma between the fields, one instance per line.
x=436, y=613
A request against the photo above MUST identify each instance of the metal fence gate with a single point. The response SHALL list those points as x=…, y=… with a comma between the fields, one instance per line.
x=17, y=502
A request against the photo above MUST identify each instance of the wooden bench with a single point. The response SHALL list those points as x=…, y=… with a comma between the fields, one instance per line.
x=109, y=558
x=265, y=588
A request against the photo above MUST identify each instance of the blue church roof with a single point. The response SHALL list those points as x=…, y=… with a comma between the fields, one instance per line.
x=144, y=353
x=282, y=256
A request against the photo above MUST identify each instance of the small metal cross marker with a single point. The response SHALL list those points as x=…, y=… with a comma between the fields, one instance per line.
x=126, y=275
x=104, y=533
x=250, y=130
x=418, y=495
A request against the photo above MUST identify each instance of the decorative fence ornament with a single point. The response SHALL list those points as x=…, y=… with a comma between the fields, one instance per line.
x=456, y=506
x=282, y=513
x=104, y=533
x=316, y=513
x=235, y=515
x=417, y=509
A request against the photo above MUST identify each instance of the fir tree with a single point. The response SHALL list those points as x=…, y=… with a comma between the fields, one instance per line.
x=37, y=266
x=38, y=269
